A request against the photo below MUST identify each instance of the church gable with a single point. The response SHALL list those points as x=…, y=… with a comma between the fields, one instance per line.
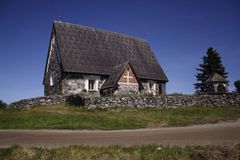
x=53, y=71
x=128, y=77
x=123, y=80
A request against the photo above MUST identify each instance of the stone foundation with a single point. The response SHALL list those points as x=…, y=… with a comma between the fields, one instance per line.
x=127, y=90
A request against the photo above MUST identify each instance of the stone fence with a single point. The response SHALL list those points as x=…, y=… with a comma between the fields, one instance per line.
x=165, y=101
x=139, y=101
x=38, y=101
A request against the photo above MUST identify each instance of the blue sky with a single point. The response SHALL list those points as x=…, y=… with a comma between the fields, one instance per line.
x=178, y=31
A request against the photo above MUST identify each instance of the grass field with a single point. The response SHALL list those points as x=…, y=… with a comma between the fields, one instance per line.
x=68, y=117
x=148, y=152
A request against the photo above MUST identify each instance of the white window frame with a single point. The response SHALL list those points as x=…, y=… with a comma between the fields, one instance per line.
x=96, y=80
x=50, y=51
x=51, y=79
x=96, y=85
x=93, y=85
x=86, y=84
x=152, y=87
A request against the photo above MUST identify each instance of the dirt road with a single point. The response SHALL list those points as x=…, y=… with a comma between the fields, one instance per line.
x=217, y=134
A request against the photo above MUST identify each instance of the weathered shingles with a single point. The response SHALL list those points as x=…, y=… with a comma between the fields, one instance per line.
x=89, y=50
x=216, y=78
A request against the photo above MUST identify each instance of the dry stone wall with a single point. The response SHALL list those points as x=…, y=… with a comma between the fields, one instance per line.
x=38, y=101
x=165, y=101
x=139, y=101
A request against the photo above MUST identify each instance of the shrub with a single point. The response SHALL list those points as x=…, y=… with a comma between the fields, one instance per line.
x=75, y=100
x=2, y=104
x=237, y=85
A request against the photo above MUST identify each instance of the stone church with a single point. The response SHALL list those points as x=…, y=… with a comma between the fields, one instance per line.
x=86, y=60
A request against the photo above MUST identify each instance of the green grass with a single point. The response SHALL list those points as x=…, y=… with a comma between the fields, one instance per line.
x=147, y=152
x=68, y=117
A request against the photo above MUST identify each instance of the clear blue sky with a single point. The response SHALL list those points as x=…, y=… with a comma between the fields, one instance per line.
x=179, y=33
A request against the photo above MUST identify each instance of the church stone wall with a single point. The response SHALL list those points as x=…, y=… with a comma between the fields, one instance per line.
x=72, y=86
x=127, y=90
x=75, y=84
x=143, y=89
x=154, y=90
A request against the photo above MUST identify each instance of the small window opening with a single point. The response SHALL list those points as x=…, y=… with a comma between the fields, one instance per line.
x=51, y=79
x=91, y=85
x=151, y=86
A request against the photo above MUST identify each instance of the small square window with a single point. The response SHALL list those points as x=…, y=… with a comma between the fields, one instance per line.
x=151, y=85
x=51, y=80
x=91, y=85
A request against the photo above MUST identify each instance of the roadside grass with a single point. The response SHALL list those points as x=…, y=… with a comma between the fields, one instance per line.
x=68, y=117
x=145, y=152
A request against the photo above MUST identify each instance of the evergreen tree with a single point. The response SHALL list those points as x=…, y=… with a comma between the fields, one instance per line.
x=212, y=63
x=2, y=104
x=237, y=86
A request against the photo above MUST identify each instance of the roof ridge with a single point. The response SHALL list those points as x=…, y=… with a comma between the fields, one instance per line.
x=122, y=64
x=216, y=77
x=102, y=30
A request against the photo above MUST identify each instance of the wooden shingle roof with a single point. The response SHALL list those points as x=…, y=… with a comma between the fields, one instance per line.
x=95, y=51
x=216, y=78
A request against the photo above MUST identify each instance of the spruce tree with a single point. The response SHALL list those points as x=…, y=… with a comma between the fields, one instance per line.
x=212, y=63
x=2, y=104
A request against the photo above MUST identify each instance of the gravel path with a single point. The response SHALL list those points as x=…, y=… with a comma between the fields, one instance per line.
x=215, y=134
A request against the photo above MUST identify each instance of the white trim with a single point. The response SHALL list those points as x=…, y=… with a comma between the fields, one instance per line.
x=96, y=84
x=100, y=86
x=134, y=84
x=50, y=51
x=149, y=88
x=128, y=76
x=51, y=79
x=86, y=84
x=154, y=89
x=89, y=84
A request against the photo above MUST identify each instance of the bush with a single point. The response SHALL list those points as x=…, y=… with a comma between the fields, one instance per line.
x=237, y=85
x=2, y=104
x=75, y=100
